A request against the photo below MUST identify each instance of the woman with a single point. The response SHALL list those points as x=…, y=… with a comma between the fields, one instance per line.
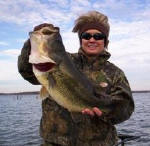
x=90, y=127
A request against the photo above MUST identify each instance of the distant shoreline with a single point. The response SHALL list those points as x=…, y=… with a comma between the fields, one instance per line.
x=141, y=91
x=37, y=92
x=21, y=93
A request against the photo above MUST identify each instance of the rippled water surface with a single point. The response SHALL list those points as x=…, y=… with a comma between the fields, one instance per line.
x=139, y=123
x=20, y=120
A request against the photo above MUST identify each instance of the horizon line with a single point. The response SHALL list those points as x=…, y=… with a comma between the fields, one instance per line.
x=37, y=92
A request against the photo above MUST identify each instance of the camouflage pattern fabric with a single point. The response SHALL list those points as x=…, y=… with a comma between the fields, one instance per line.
x=62, y=128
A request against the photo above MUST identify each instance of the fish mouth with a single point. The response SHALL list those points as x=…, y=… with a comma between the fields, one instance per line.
x=44, y=67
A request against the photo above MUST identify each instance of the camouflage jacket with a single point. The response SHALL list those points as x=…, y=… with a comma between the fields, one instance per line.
x=58, y=126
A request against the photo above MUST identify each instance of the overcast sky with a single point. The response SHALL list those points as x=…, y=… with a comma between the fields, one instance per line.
x=129, y=35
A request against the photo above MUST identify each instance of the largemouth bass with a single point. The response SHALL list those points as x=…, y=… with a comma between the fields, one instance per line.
x=58, y=75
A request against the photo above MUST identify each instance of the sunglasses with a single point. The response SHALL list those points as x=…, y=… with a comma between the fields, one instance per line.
x=96, y=36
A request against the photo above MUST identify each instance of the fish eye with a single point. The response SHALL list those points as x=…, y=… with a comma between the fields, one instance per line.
x=46, y=32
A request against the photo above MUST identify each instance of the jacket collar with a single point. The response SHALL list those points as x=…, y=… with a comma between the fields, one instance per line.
x=94, y=62
x=104, y=55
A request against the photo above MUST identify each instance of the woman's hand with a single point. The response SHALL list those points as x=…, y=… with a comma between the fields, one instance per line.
x=92, y=112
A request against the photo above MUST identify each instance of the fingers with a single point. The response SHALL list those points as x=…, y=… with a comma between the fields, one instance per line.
x=94, y=112
x=42, y=25
x=97, y=111
x=88, y=112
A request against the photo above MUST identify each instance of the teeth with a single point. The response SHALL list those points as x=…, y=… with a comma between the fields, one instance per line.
x=92, y=45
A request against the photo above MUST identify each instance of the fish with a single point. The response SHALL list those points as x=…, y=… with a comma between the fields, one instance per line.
x=59, y=76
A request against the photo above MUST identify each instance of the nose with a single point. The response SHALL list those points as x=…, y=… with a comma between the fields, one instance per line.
x=92, y=39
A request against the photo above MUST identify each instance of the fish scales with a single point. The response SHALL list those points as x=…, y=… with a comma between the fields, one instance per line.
x=70, y=91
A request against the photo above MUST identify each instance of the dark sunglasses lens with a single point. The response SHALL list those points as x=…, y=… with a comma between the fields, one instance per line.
x=98, y=36
x=86, y=36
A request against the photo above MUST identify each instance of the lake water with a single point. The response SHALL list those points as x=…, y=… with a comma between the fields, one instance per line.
x=20, y=120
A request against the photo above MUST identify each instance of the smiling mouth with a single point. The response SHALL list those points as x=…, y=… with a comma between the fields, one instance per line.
x=43, y=67
x=92, y=46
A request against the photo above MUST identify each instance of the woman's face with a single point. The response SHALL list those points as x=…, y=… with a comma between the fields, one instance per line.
x=92, y=47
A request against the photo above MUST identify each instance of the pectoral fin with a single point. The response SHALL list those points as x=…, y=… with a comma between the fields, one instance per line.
x=44, y=93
